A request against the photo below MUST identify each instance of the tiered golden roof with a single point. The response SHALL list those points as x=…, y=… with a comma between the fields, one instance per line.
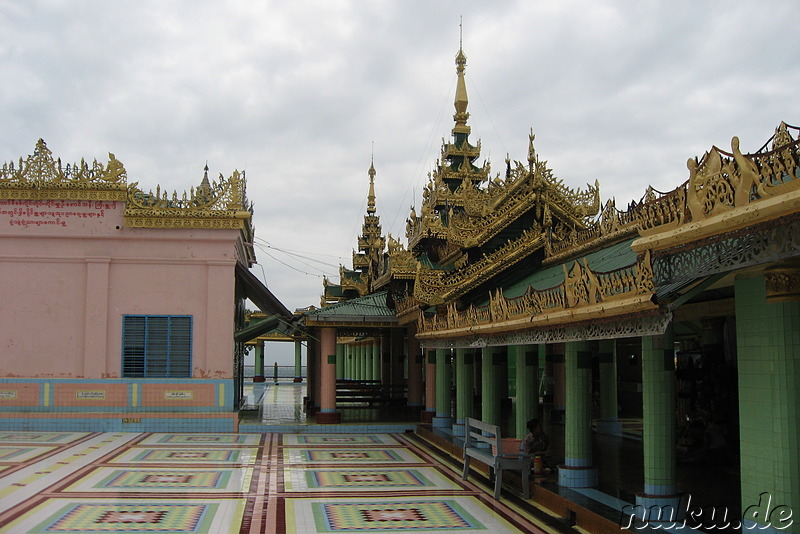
x=368, y=261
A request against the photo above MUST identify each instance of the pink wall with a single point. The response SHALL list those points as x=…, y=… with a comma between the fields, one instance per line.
x=70, y=271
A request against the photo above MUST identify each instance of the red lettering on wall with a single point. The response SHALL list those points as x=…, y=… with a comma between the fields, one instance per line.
x=57, y=213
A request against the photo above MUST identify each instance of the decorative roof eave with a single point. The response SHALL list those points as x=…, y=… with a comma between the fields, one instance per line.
x=63, y=192
x=750, y=215
x=599, y=311
x=583, y=294
x=349, y=321
x=726, y=191
x=436, y=286
x=236, y=220
x=616, y=327
x=584, y=247
x=366, y=311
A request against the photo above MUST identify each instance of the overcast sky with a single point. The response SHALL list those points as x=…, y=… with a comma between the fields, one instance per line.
x=298, y=93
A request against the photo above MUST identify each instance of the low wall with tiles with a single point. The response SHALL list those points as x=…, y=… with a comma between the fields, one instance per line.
x=118, y=405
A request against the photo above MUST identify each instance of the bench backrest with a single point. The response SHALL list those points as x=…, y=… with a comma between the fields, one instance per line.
x=479, y=432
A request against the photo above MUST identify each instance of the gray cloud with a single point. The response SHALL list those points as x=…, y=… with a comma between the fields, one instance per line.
x=295, y=93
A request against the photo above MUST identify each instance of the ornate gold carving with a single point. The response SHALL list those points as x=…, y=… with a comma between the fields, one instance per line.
x=723, y=181
x=353, y=280
x=581, y=288
x=437, y=286
x=484, y=212
x=39, y=176
x=613, y=226
x=652, y=322
x=401, y=261
x=782, y=283
x=221, y=205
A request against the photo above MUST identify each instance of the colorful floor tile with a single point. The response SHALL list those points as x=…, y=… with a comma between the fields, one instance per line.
x=382, y=479
x=206, y=440
x=74, y=482
x=210, y=480
x=12, y=453
x=136, y=515
x=188, y=455
x=350, y=456
x=466, y=515
x=339, y=439
x=40, y=437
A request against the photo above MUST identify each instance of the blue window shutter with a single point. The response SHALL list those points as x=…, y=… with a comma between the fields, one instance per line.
x=157, y=346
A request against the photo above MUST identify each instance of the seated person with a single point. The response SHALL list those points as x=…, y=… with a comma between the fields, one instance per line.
x=536, y=442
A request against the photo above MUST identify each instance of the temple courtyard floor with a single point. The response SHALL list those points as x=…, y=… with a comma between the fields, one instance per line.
x=379, y=471
x=240, y=483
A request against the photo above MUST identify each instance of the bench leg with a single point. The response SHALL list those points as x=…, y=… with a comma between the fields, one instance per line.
x=498, y=482
x=465, y=473
x=526, y=483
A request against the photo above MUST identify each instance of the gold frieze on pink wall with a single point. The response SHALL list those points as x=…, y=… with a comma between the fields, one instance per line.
x=215, y=204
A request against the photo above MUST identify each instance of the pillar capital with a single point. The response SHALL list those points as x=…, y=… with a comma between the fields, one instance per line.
x=782, y=282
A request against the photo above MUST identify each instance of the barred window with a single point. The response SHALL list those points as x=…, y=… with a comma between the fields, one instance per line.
x=157, y=346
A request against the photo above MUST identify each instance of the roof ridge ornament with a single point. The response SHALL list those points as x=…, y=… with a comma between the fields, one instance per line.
x=461, y=100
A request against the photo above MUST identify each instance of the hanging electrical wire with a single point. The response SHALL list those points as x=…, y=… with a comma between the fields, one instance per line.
x=264, y=250
x=414, y=183
x=296, y=254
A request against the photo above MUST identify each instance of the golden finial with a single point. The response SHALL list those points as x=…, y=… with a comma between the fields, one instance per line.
x=461, y=100
x=371, y=196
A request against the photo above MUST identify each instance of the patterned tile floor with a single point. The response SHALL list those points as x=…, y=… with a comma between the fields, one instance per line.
x=238, y=483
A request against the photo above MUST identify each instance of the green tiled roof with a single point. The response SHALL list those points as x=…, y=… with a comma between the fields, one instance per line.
x=368, y=306
x=426, y=261
x=352, y=275
x=604, y=260
x=333, y=290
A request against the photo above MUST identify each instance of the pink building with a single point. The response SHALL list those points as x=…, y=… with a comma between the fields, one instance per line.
x=119, y=307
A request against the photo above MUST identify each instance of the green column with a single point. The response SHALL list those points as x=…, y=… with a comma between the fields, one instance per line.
x=444, y=396
x=298, y=361
x=366, y=364
x=608, y=423
x=578, y=471
x=339, y=361
x=527, y=365
x=362, y=362
x=430, y=386
x=659, y=434
x=258, y=371
x=490, y=391
x=464, y=371
x=367, y=361
x=768, y=352
x=556, y=358
x=357, y=362
x=376, y=359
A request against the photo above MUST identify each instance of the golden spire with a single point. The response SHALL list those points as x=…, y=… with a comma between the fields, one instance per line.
x=371, y=196
x=461, y=101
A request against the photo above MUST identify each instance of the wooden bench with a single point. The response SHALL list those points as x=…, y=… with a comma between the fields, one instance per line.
x=483, y=442
x=357, y=393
